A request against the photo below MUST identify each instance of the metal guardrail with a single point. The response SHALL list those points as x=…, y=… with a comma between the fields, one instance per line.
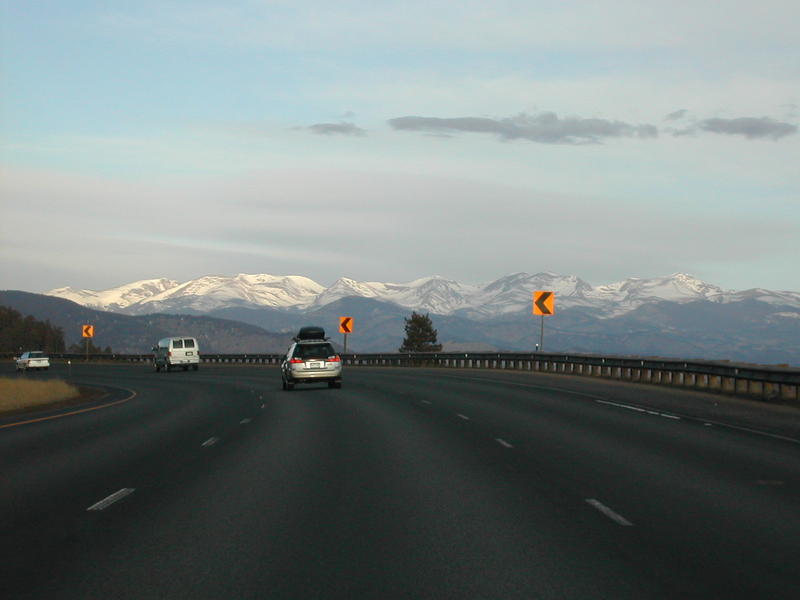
x=769, y=383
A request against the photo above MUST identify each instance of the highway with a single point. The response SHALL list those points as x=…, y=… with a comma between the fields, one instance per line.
x=405, y=483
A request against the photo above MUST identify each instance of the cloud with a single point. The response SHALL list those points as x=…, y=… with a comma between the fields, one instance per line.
x=678, y=114
x=750, y=127
x=545, y=128
x=338, y=129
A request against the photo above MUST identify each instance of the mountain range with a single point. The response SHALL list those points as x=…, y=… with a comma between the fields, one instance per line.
x=673, y=316
x=507, y=295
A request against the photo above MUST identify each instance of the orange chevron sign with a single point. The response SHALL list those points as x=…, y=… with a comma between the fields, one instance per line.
x=544, y=303
x=88, y=331
x=345, y=324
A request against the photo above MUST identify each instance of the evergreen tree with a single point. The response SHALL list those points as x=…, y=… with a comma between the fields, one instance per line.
x=420, y=335
x=18, y=333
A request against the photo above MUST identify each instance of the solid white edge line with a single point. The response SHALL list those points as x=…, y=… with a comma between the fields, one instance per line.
x=617, y=518
x=210, y=442
x=503, y=443
x=527, y=385
x=460, y=416
x=109, y=500
x=756, y=431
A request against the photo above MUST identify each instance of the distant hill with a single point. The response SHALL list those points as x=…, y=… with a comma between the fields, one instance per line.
x=749, y=330
x=137, y=334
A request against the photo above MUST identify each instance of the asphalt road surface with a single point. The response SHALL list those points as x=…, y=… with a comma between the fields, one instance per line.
x=403, y=484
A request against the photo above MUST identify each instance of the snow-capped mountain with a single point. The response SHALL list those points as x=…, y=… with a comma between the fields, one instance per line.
x=119, y=298
x=211, y=292
x=431, y=294
x=437, y=295
x=514, y=292
x=628, y=295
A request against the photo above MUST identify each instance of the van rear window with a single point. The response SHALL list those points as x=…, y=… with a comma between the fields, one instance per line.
x=177, y=343
x=188, y=343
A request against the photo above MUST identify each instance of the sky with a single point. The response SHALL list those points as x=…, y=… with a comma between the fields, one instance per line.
x=387, y=141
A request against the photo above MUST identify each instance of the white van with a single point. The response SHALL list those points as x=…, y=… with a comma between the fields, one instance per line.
x=176, y=352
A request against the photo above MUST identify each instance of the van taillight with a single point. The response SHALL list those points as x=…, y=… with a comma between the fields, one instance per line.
x=334, y=359
x=296, y=361
x=169, y=353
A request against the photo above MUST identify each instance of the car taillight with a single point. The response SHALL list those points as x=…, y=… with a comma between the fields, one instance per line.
x=334, y=359
x=169, y=353
x=296, y=361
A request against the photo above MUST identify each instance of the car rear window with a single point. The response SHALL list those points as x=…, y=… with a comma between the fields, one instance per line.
x=36, y=355
x=313, y=351
x=188, y=343
x=177, y=343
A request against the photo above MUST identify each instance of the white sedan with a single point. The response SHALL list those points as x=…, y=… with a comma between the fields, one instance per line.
x=33, y=360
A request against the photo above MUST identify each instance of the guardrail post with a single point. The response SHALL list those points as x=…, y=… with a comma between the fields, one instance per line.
x=742, y=386
x=790, y=392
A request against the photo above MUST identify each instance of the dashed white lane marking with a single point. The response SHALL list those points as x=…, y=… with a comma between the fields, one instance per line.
x=617, y=518
x=618, y=405
x=503, y=443
x=427, y=402
x=460, y=416
x=641, y=410
x=108, y=501
x=245, y=421
x=210, y=442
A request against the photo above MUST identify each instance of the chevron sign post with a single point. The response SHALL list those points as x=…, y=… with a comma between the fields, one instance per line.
x=544, y=305
x=345, y=328
x=87, y=331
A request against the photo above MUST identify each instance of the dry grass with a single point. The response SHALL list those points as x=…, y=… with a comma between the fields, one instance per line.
x=19, y=394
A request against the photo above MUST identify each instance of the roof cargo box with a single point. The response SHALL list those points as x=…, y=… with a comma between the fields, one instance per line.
x=311, y=333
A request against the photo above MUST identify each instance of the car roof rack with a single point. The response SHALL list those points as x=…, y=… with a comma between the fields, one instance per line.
x=310, y=332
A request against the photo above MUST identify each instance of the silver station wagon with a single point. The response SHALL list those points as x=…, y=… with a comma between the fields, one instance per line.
x=311, y=359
